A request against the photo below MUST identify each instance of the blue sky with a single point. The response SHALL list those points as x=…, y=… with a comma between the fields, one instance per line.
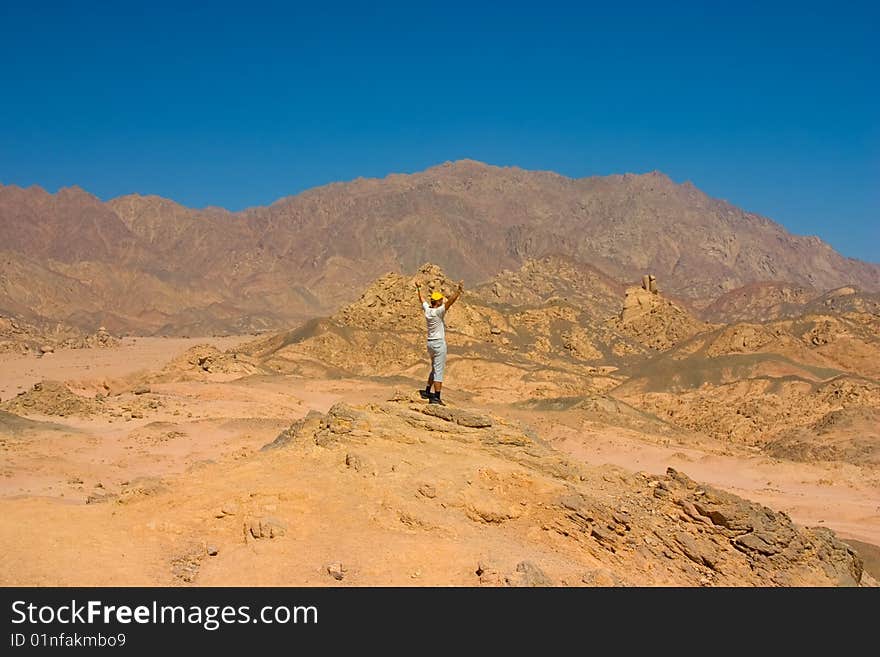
x=772, y=106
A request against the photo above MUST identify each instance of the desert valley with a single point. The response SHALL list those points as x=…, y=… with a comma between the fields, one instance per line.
x=646, y=387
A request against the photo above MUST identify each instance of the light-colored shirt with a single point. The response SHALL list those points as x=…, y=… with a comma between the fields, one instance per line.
x=435, y=318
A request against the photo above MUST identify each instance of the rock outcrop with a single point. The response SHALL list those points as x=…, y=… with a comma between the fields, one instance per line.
x=51, y=398
x=206, y=361
x=603, y=525
x=20, y=336
x=654, y=321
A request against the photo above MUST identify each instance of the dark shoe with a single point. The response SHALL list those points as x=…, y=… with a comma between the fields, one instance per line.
x=424, y=394
x=436, y=400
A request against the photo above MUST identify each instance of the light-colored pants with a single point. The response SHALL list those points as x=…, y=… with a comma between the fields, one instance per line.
x=437, y=352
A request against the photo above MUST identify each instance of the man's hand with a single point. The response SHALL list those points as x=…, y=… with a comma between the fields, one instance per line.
x=451, y=300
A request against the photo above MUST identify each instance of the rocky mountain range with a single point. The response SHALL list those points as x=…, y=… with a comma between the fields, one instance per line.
x=147, y=265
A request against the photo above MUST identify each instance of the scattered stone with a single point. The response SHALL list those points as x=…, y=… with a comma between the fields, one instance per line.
x=186, y=565
x=692, y=549
x=303, y=427
x=266, y=527
x=458, y=416
x=141, y=390
x=100, y=498
x=528, y=575
x=428, y=490
x=212, y=550
x=485, y=507
x=488, y=574
x=604, y=537
x=336, y=571
x=228, y=509
x=602, y=577
x=399, y=395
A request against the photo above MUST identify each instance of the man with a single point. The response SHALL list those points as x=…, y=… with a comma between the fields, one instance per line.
x=435, y=316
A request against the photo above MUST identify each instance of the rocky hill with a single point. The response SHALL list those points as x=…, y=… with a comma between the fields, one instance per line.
x=19, y=336
x=806, y=387
x=548, y=348
x=553, y=279
x=759, y=302
x=656, y=322
x=762, y=385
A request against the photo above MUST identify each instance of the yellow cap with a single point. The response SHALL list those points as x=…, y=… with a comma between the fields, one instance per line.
x=436, y=296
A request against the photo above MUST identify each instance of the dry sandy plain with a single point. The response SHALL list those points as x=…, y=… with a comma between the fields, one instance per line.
x=165, y=483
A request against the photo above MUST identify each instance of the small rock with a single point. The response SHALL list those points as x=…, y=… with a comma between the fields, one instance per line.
x=601, y=577
x=266, y=528
x=228, y=509
x=354, y=462
x=212, y=550
x=99, y=498
x=605, y=538
x=399, y=395
x=488, y=573
x=528, y=574
x=336, y=571
x=428, y=490
x=141, y=390
x=458, y=416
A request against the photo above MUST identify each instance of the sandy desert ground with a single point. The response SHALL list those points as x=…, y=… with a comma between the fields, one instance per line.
x=164, y=483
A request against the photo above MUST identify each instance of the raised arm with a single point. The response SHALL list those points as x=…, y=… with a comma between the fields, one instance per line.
x=452, y=299
x=419, y=289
